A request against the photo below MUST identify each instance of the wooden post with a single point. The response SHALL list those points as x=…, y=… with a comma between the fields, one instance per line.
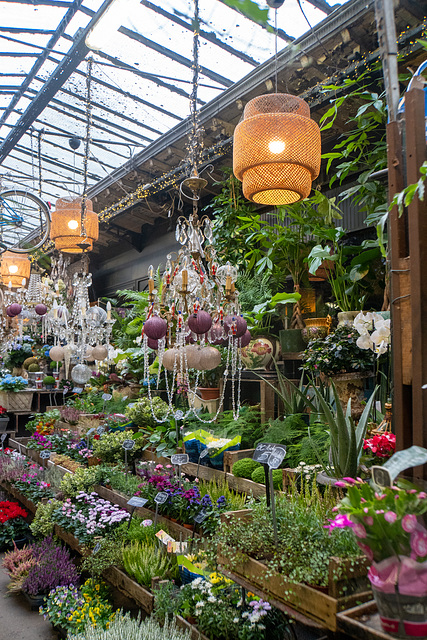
x=417, y=234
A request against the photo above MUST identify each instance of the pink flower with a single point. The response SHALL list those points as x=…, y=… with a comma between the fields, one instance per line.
x=412, y=490
x=422, y=495
x=409, y=522
x=366, y=550
x=369, y=520
x=419, y=543
x=359, y=530
x=350, y=480
x=340, y=484
x=390, y=517
x=340, y=521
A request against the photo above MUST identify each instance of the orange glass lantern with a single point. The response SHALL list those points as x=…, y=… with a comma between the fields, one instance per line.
x=15, y=268
x=276, y=152
x=66, y=227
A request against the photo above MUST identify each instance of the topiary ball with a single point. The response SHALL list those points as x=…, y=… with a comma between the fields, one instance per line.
x=245, y=467
x=33, y=367
x=28, y=361
x=259, y=476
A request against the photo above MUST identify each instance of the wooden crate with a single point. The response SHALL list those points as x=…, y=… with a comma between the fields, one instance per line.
x=183, y=624
x=130, y=588
x=362, y=622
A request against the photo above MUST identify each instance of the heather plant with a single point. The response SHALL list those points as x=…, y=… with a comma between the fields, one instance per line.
x=18, y=563
x=11, y=468
x=69, y=414
x=53, y=567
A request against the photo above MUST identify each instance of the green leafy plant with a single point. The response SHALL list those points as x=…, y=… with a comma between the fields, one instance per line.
x=141, y=412
x=43, y=524
x=244, y=468
x=109, y=554
x=144, y=562
x=48, y=380
x=259, y=476
x=337, y=353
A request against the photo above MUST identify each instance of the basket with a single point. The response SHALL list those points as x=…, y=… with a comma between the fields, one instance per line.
x=16, y=400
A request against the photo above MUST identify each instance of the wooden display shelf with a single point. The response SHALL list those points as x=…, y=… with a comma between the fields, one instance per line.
x=230, y=457
x=124, y=583
x=362, y=622
x=195, y=634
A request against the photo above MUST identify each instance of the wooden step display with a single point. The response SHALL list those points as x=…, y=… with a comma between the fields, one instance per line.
x=307, y=604
x=362, y=622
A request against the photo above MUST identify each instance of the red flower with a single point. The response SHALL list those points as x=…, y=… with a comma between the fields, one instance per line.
x=382, y=446
x=11, y=510
x=2, y=410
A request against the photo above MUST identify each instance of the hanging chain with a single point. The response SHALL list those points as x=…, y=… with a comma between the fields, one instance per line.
x=275, y=47
x=87, y=144
x=39, y=158
x=195, y=141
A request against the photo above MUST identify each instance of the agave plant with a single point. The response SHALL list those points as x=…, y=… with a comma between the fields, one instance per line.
x=346, y=437
x=295, y=399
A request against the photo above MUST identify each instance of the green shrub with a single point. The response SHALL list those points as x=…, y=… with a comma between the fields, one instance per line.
x=33, y=367
x=30, y=361
x=140, y=411
x=48, y=380
x=259, y=476
x=245, y=467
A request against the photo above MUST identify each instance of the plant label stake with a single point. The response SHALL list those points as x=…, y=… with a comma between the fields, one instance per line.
x=134, y=503
x=3, y=438
x=179, y=459
x=45, y=455
x=106, y=397
x=88, y=434
x=77, y=390
x=178, y=416
x=160, y=498
x=96, y=548
x=127, y=445
x=100, y=430
x=203, y=454
x=271, y=457
x=384, y=476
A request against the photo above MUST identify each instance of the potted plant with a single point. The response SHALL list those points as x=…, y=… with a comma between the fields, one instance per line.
x=390, y=529
x=339, y=358
x=19, y=353
x=209, y=381
x=13, y=394
x=4, y=419
x=14, y=529
x=49, y=382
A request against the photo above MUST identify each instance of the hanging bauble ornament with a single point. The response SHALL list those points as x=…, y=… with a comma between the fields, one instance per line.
x=245, y=339
x=200, y=322
x=155, y=328
x=57, y=354
x=153, y=344
x=40, y=309
x=15, y=309
x=209, y=358
x=192, y=353
x=99, y=352
x=236, y=324
x=81, y=374
x=9, y=313
x=89, y=354
x=97, y=315
x=169, y=359
x=217, y=334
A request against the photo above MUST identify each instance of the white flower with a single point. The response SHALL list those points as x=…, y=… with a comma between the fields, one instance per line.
x=236, y=620
x=381, y=348
x=212, y=599
x=200, y=604
x=364, y=341
x=381, y=334
x=363, y=322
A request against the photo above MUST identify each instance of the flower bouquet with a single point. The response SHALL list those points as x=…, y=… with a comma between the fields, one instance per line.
x=13, y=526
x=390, y=530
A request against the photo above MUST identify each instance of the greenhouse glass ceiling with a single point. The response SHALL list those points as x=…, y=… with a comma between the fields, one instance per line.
x=142, y=73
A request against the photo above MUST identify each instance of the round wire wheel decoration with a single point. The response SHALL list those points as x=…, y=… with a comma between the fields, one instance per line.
x=24, y=221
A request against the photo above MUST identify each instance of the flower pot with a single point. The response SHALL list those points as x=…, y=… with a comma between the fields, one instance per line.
x=49, y=386
x=208, y=393
x=16, y=400
x=315, y=328
x=351, y=385
x=35, y=602
x=291, y=341
x=93, y=461
x=346, y=318
x=188, y=526
x=402, y=616
x=4, y=421
x=260, y=352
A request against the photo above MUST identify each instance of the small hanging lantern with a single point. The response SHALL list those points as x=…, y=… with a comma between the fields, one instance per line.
x=15, y=268
x=66, y=226
x=276, y=151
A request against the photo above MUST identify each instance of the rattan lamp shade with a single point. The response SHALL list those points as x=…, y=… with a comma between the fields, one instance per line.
x=276, y=151
x=14, y=268
x=66, y=228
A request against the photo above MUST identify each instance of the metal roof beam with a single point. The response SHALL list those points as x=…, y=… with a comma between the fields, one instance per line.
x=63, y=71
x=322, y=5
x=206, y=35
x=41, y=58
x=46, y=32
x=18, y=54
x=176, y=57
x=129, y=95
x=280, y=33
x=52, y=3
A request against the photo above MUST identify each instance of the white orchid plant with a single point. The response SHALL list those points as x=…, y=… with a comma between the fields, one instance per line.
x=374, y=330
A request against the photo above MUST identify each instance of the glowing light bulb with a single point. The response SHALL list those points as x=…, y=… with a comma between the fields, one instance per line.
x=73, y=224
x=276, y=146
x=13, y=268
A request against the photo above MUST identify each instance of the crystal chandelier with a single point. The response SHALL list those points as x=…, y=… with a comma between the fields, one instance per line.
x=81, y=332
x=196, y=309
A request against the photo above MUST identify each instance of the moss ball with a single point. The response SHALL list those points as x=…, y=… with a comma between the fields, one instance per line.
x=245, y=467
x=33, y=367
x=259, y=476
x=29, y=361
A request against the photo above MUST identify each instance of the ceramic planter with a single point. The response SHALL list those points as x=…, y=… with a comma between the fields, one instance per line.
x=208, y=393
x=315, y=328
x=260, y=352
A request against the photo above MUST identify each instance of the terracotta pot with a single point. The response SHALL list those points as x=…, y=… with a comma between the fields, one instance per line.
x=260, y=352
x=173, y=519
x=188, y=526
x=208, y=393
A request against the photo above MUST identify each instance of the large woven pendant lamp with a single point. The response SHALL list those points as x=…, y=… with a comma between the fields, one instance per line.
x=66, y=226
x=15, y=268
x=276, y=151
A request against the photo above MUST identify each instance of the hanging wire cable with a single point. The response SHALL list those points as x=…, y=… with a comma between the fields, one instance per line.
x=87, y=144
x=275, y=47
x=195, y=143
